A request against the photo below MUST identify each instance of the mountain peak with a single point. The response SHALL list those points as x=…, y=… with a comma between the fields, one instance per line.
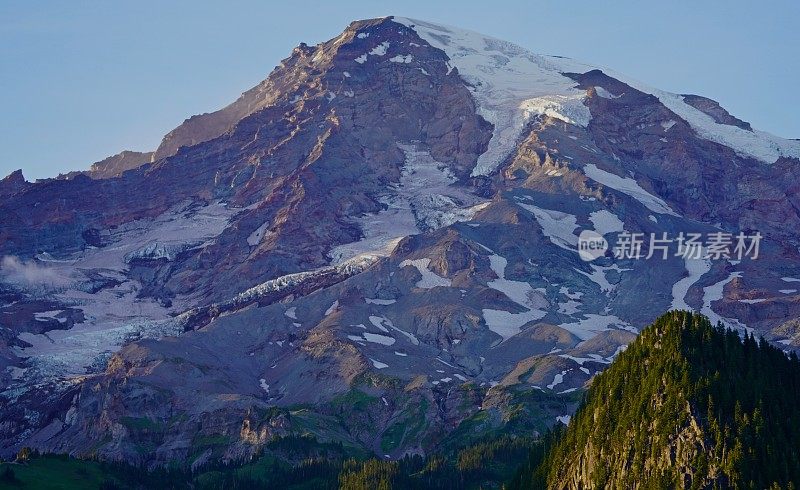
x=529, y=85
x=12, y=183
x=15, y=176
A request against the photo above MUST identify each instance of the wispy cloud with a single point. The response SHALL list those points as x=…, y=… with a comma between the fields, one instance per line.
x=30, y=274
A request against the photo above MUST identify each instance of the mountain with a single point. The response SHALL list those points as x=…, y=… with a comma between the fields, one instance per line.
x=377, y=246
x=687, y=405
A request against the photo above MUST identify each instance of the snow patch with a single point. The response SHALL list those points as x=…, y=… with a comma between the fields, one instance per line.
x=372, y=337
x=411, y=338
x=715, y=293
x=567, y=108
x=378, y=338
x=556, y=225
x=383, y=302
x=44, y=316
x=598, y=276
x=424, y=199
x=332, y=308
x=572, y=305
x=627, y=185
x=519, y=292
x=605, y=222
x=581, y=360
x=557, y=379
x=380, y=49
x=504, y=323
x=255, y=237
x=696, y=269
x=429, y=279
x=593, y=323
x=605, y=93
x=379, y=321
x=378, y=364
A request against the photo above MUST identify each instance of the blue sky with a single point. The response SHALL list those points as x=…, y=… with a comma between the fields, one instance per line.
x=83, y=80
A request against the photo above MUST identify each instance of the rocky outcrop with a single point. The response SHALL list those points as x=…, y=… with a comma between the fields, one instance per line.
x=116, y=165
x=12, y=184
x=713, y=109
x=677, y=455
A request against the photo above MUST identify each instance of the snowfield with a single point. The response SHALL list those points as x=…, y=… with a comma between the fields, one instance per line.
x=424, y=199
x=754, y=144
x=504, y=323
x=715, y=293
x=593, y=323
x=519, y=292
x=116, y=315
x=606, y=222
x=696, y=269
x=558, y=226
x=509, y=84
x=627, y=185
x=429, y=279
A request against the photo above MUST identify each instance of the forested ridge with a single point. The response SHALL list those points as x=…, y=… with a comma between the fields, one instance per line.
x=686, y=405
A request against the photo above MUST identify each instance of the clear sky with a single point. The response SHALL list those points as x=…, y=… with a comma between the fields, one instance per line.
x=83, y=80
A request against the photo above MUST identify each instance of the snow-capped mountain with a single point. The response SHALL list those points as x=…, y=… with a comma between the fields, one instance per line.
x=394, y=213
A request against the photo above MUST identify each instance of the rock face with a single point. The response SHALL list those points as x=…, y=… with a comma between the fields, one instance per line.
x=115, y=165
x=387, y=226
x=12, y=184
x=713, y=109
